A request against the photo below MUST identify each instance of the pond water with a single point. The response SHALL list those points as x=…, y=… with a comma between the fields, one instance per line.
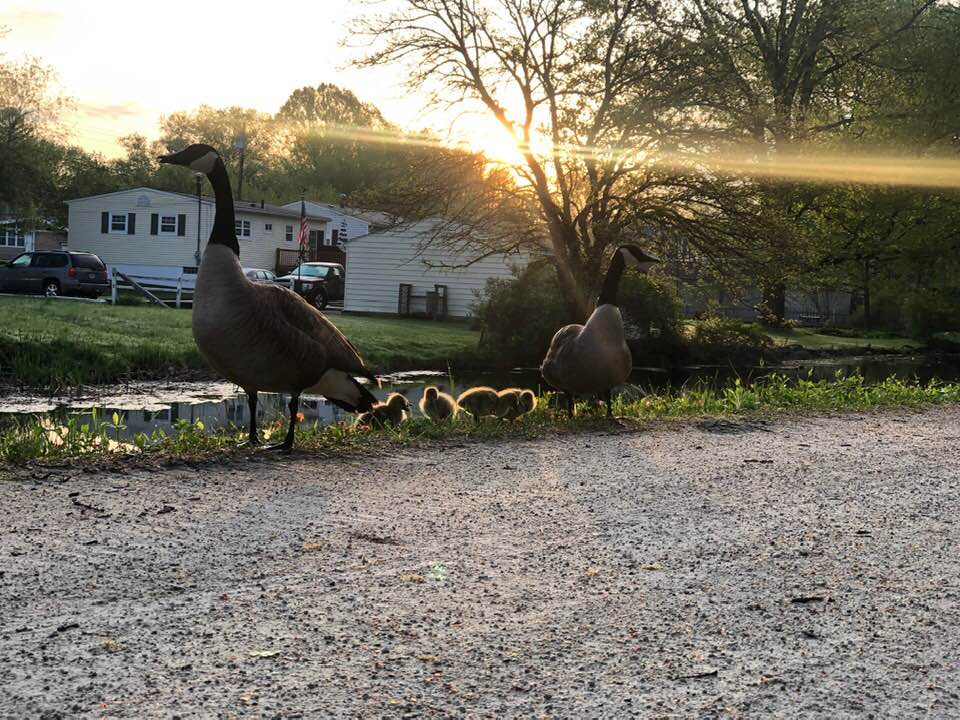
x=146, y=407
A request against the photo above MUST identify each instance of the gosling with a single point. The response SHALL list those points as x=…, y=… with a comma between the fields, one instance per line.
x=393, y=411
x=514, y=403
x=437, y=405
x=479, y=402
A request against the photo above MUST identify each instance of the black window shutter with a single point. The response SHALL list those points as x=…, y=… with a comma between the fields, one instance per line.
x=104, y=222
x=154, y=223
x=131, y=223
x=181, y=225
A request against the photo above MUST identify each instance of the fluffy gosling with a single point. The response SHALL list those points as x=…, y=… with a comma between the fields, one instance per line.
x=437, y=405
x=479, y=402
x=393, y=411
x=514, y=403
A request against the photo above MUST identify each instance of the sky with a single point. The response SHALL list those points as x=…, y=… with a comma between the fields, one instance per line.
x=125, y=64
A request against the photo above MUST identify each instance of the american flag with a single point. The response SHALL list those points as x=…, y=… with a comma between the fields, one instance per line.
x=302, y=236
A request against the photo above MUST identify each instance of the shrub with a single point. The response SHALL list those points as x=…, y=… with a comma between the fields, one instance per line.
x=652, y=318
x=519, y=316
x=718, y=339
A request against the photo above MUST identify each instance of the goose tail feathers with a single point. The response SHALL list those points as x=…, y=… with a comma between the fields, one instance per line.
x=343, y=390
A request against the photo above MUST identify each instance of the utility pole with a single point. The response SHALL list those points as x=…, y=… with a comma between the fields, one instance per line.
x=241, y=144
x=199, y=178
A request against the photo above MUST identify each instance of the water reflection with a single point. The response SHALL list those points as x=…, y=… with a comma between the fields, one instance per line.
x=148, y=407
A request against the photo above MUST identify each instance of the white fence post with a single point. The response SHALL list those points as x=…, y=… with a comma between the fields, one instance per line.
x=113, y=287
x=179, y=288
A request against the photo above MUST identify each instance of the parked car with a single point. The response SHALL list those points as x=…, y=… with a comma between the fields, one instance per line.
x=55, y=272
x=260, y=275
x=318, y=282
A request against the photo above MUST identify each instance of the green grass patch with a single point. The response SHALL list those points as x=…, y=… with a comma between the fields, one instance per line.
x=60, y=343
x=843, y=339
x=39, y=439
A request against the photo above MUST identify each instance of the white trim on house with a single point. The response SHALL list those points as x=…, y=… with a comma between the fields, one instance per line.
x=113, y=229
x=172, y=224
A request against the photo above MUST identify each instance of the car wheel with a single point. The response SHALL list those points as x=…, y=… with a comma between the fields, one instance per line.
x=320, y=299
x=51, y=288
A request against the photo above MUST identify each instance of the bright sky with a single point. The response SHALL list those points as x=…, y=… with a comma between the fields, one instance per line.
x=128, y=63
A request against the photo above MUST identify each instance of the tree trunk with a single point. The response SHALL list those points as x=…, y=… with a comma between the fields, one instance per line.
x=774, y=304
x=866, y=295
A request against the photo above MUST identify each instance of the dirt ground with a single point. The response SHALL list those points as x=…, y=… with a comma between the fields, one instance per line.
x=796, y=568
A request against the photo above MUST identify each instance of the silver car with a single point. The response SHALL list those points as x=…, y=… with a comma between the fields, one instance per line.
x=55, y=272
x=259, y=275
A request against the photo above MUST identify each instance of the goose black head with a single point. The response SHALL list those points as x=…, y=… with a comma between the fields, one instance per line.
x=199, y=158
x=636, y=258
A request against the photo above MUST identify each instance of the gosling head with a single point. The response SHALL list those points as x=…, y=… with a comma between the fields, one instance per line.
x=398, y=401
x=528, y=401
x=636, y=258
x=431, y=393
x=199, y=158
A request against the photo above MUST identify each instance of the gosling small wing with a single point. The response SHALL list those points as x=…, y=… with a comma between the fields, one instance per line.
x=556, y=364
x=302, y=330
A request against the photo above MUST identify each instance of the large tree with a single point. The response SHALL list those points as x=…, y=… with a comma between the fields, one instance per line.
x=590, y=93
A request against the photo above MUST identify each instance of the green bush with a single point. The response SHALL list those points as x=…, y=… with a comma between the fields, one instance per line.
x=519, y=316
x=930, y=311
x=718, y=339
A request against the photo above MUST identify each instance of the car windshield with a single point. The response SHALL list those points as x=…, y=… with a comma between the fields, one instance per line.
x=310, y=270
x=88, y=262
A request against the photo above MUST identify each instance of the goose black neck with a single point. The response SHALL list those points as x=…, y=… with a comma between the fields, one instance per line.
x=224, y=229
x=611, y=283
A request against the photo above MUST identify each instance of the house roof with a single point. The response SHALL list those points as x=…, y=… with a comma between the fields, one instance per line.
x=373, y=217
x=247, y=206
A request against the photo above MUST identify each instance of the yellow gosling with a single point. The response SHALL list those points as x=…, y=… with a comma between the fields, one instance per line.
x=479, y=402
x=437, y=405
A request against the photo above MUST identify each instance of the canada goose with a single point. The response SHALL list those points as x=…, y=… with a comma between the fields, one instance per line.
x=264, y=337
x=479, y=402
x=437, y=405
x=594, y=358
x=393, y=411
x=514, y=403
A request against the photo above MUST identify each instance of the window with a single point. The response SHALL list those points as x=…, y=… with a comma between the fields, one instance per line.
x=88, y=261
x=50, y=260
x=22, y=261
x=118, y=223
x=243, y=228
x=268, y=227
x=288, y=233
x=168, y=224
x=11, y=238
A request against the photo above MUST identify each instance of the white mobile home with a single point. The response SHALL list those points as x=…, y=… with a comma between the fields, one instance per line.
x=155, y=232
x=385, y=265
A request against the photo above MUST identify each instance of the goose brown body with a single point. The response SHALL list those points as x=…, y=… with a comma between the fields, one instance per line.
x=589, y=358
x=266, y=337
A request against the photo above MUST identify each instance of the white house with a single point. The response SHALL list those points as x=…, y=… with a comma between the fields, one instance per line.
x=355, y=223
x=379, y=263
x=155, y=232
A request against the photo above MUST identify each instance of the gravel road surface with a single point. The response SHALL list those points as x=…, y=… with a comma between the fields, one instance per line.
x=797, y=568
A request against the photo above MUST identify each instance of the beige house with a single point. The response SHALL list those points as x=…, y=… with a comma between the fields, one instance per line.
x=403, y=271
x=150, y=232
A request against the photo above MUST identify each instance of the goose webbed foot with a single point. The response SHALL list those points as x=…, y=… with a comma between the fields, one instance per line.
x=284, y=447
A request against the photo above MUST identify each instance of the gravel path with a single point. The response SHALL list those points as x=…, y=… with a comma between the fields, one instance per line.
x=806, y=567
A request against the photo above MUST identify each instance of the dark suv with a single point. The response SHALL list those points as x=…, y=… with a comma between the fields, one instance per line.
x=318, y=282
x=55, y=272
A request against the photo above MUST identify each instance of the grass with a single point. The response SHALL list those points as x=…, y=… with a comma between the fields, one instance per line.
x=59, y=343
x=812, y=339
x=39, y=440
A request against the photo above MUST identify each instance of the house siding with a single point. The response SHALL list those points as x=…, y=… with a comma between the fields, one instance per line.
x=378, y=263
x=169, y=253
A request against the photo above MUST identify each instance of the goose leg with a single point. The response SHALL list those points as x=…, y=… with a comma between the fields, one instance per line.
x=607, y=399
x=287, y=444
x=252, y=405
x=571, y=403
